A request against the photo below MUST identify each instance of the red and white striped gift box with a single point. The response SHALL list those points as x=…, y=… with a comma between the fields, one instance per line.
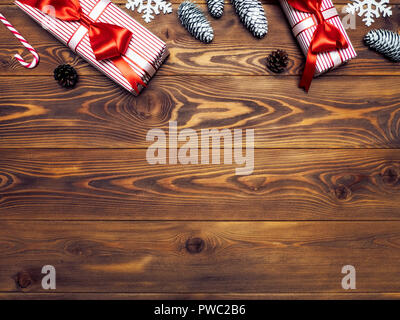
x=303, y=26
x=145, y=54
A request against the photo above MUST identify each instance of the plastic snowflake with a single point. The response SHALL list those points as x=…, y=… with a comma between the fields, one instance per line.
x=369, y=9
x=149, y=7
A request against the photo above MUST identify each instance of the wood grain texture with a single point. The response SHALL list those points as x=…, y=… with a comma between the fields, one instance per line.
x=281, y=257
x=119, y=184
x=234, y=52
x=199, y=296
x=324, y=192
x=36, y=112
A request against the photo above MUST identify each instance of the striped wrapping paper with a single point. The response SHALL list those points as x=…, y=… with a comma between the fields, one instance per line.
x=303, y=26
x=145, y=54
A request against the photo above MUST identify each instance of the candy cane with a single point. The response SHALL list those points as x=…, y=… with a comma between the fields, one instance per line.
x=24, y=42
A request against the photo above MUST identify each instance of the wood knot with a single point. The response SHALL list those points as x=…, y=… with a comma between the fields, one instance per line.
x=390, y=176
x=342, y=192
x=24, y=279
x=253, y=183
x=75, y=250
x=80, y=248
x=194, y=245
x=5, y=180
x=4, y=63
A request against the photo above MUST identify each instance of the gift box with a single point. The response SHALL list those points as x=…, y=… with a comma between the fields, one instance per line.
x=305, y=17
x=104, y=35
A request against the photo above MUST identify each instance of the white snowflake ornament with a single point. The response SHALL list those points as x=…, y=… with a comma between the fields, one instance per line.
x=149, y=8
x=370, y=9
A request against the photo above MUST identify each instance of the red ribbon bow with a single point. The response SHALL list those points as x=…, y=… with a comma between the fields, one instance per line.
x=107, y=41
x=326, y=38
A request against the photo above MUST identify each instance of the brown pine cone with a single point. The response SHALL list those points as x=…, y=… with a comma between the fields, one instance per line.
x=66, y=76
x=277, y=61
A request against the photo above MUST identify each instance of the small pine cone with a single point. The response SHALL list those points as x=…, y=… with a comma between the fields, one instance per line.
x=277, y=61
x=66, y=76
x=385, y=42
x=252, y=15
x=216, y=8
x=194, y=20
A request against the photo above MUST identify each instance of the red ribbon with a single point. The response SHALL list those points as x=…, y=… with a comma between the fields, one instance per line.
x=107, y=41
x=325, y=38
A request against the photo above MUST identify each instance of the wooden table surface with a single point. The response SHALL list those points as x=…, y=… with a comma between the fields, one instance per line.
x=77, y=193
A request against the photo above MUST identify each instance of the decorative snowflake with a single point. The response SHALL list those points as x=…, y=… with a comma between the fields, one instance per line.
x=369, y=9
x=149, y=7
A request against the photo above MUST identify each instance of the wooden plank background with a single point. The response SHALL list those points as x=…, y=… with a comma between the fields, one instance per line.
x=76, y=191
